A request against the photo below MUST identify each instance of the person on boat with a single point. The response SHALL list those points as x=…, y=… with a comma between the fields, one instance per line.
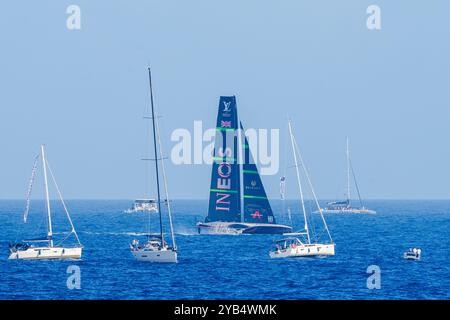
x=419, y=252
x=134, y=244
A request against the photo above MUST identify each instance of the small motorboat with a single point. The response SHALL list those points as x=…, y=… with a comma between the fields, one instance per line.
x=413, y=254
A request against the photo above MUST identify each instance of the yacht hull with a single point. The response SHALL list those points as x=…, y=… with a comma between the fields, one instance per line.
x=308, y=250
x=348, y=211
x=237, y=228
x=46, y=253
x=410, y=256
x=157, y=256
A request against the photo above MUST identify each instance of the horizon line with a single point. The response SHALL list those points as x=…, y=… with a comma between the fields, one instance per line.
x=206, y=199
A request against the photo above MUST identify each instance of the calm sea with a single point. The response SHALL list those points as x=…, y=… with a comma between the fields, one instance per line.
x=232, y=267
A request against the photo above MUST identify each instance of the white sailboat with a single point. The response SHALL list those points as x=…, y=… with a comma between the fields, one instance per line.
x=305, y=246
x=155, y=248
x=32, y=249
x=346, y=206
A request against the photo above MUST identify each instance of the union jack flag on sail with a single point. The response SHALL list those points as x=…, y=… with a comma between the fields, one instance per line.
x=225, y=124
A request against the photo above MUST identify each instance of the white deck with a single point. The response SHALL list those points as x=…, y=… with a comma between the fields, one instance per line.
x=305, y=250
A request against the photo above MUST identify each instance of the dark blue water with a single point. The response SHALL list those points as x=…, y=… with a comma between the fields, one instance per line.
x=234, y=267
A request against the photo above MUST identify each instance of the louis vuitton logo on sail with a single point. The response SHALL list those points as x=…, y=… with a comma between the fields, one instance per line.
x=226, y=106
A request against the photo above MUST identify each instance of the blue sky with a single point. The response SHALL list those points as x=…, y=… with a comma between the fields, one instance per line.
x=83, y=92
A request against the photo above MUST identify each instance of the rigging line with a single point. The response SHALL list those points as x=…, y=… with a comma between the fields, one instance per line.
x=147, y=167
x=356, y=183
x=63, y=203
x=299, y=180
x=312, y=190
x=166, y=189
x=348, y=173
x=61, y=242
x=147, y=184
x=283, y=191
x=310, y=205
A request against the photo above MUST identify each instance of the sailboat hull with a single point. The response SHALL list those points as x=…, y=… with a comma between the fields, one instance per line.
x=237, y=228
x=46, y=253
x=348, y=210
x=157, y=256
x=308, y=250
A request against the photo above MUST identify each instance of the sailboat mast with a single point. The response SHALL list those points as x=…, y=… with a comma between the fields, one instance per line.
x=47, y=197
x=241, y=159
x=156, y=157
x=348, y=173
x=298, y=180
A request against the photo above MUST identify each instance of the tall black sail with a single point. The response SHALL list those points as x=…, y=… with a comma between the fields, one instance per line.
x=257, y=208
x=224, y=193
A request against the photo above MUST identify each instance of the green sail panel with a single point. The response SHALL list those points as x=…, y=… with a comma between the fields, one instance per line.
x=257, y=208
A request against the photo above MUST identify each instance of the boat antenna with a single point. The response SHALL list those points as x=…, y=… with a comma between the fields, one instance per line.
x=156, y=157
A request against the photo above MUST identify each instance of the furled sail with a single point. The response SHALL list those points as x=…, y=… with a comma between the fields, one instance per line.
x=30, y=188
x=257, y=208
x=224, y=194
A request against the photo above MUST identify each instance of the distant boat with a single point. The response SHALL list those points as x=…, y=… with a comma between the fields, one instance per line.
x=33, y=249
x=305, y=246
x=346, y=206
x=238, y=203
x=143, y=205
x=155, y=248
x=413, y=254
